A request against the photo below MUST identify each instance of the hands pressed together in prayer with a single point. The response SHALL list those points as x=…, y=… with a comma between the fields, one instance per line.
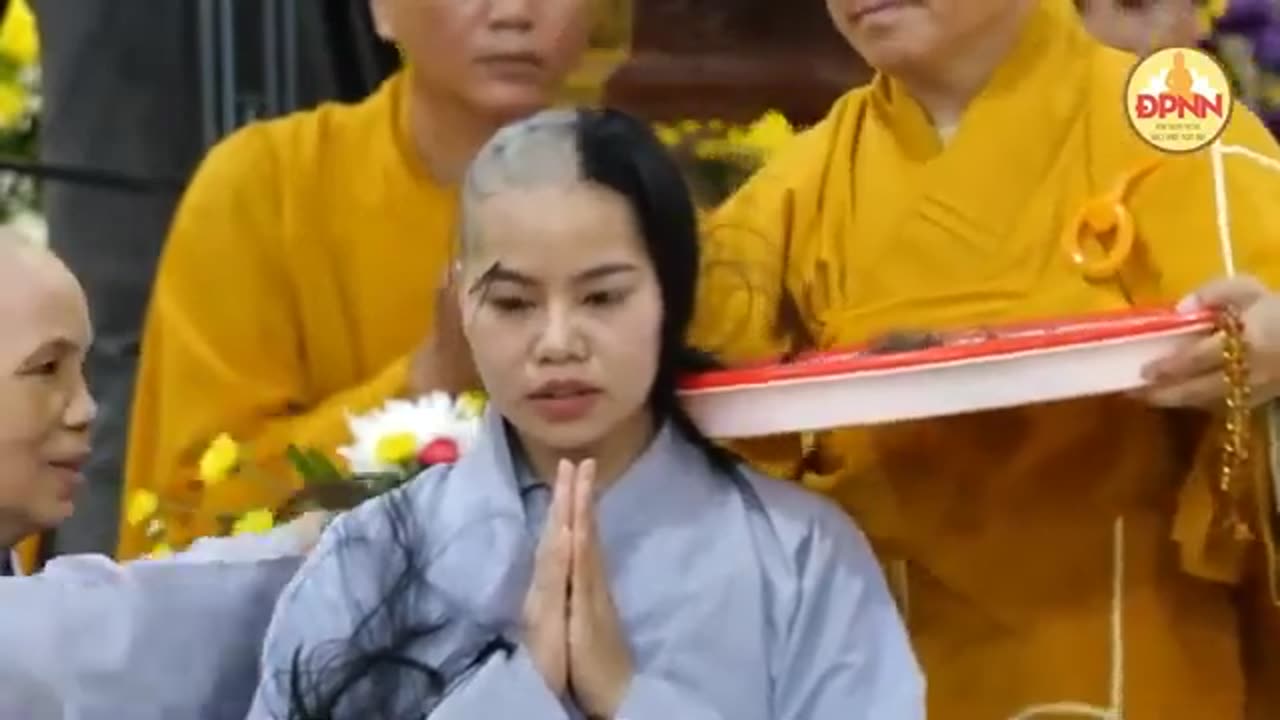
x=1193, y=377
x=572, y=630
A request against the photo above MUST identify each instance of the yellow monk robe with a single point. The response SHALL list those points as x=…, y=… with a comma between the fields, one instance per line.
x=1052, y=561
x=297, y=279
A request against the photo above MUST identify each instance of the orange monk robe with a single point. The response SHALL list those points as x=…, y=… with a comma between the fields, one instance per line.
x=1046, y=558
x=298, y=277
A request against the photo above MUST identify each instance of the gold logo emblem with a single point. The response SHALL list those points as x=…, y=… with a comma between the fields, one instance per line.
x=1179, y=99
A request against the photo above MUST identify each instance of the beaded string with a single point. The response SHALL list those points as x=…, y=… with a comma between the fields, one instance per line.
x=1237, y=425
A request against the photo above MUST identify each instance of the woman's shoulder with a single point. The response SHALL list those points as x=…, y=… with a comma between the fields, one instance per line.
x=437, y=526
x=805, y=522
x=434, y=500
x=441, y=510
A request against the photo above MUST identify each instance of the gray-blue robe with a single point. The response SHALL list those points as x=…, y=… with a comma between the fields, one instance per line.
x=174, y=639
x=746, y=599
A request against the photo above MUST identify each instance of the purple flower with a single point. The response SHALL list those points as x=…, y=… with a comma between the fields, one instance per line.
x=1266, y=49
x=1272, y=121
x=1244, y=16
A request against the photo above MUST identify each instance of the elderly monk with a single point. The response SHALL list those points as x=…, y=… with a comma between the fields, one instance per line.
x=299, y=281
x=88, y=638
x=1056, y=561
x=46, y=407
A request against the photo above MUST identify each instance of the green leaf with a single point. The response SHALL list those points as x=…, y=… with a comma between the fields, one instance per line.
x=336, y=497
x=301, y=464
x=325, y=470
x=379, y=483
x=313, y=465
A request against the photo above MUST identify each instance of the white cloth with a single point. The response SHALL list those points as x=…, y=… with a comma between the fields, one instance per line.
x=92, y=639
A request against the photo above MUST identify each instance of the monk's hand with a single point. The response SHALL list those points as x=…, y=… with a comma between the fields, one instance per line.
x=443, y=360
x=1193, y=376
x=546, y=606
x=600, y=667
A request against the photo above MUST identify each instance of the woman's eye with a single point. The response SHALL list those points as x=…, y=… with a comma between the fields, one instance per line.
x=510, y=304
x=604, y=298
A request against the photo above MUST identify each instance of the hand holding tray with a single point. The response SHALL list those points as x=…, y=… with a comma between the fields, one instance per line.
x=912, y=376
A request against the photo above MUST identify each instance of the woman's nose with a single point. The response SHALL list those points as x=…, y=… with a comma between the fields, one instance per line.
x=559, y=339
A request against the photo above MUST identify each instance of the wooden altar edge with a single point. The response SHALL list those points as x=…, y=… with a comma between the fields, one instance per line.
x=1023, y=364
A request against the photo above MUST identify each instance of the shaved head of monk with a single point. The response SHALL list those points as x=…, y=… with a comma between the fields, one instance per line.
x=918, y=38
x=45, y=407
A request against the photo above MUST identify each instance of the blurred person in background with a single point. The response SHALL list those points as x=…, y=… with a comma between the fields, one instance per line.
x=301, y=276
x=1141, y=26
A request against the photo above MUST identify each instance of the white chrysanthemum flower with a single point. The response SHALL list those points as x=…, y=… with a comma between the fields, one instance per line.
x=428, y=418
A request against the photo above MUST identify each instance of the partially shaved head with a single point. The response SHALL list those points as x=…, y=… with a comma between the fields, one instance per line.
x=537, y=151
x=45, y=407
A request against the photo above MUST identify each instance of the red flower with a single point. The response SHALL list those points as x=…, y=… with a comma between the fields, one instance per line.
x=440, y=450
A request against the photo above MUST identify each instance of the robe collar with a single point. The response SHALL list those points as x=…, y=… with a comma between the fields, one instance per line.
x=670, y=482
x=671, y=475
x=1041, y=88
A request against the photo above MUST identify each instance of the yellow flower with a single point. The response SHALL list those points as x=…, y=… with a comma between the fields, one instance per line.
x=667, y=134
x=142, y=505
x=471, y=404
x=396, y=448
x=758, y=140
x=713, y=148
x=1208, y=13
x=161, y=550
x=18, y=37
x=155, y=528
x=254, y=522
x=13, y=100
x=768, y=133
x=220, y=459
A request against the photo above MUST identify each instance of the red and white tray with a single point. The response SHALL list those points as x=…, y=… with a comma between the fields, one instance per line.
x=970, y=371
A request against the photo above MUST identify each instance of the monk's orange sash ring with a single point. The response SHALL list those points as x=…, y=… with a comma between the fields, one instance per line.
x=1106, y=222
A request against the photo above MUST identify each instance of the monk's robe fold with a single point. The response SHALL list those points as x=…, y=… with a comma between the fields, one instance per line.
x=1050, y=560
x=299, y=275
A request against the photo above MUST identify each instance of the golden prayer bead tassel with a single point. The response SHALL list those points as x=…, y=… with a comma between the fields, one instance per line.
x=1237, y=424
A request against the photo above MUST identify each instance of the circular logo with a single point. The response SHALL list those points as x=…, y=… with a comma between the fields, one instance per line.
x=1178, y=99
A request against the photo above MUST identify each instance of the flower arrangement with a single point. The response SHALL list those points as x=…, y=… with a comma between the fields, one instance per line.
x=19, y=116
x=1245, y=35
x=718, y=156
x=389, y=446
